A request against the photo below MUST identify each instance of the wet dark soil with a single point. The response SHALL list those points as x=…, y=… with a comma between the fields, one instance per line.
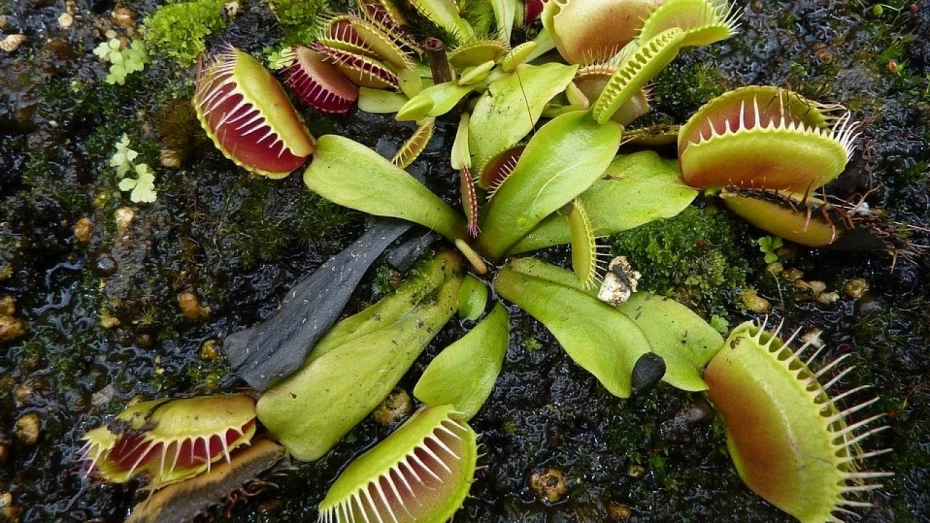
x=104, y=325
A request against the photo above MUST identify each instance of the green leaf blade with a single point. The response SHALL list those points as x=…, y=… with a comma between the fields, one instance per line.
x=511, y=107
x=351, y=175
x=311, y=410
x=599, y=338
x=464, y=373
x=637, y=189
x=684, y=340
x=565, y=157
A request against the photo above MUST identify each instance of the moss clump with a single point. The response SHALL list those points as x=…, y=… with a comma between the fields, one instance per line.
x=178, y=30
x=697, y=257
x=298, y=13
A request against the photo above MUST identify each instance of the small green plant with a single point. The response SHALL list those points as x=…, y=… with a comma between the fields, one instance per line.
x=123, y=62
x=178, y=30
x=768, y=245
x=143, y=187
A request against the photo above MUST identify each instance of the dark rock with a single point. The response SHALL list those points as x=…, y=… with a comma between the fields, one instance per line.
x=649, y=369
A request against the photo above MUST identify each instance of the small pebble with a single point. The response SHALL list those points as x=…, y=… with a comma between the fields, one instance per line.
x=395, y=407
x=170, y=158
x=755, y=303
x=110, y=34
x=618, y=512
x=636, y=471
x=12, y=42
x=812, y=337
x=8, y=512
x=103, y=396
x=109, y=322
x=123, y=17
x=809, y=289
x=11, y=328
x=792, y=274
x=123, y=217
x=4, y=452
x=27, y=429
x=3, y=21
x=549, y=484
x=191, y=306
x=817, y=286
x=83, y=230
x=619, y=283
x=144, y=340
x=828, y=298
x=856, y=288
x=104, y=264
x=209, y=350
x=7, y=305
x=648, y=370
x=23, y=394
x=231, y=8
x=65, y=20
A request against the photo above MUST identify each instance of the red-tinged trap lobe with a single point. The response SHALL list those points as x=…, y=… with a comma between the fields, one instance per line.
x=319, y=84
x=532, y=10
x=249, y=117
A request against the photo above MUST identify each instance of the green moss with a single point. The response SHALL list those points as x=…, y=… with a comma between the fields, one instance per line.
x=697, y=257
x=301, y=14
x=177, y=31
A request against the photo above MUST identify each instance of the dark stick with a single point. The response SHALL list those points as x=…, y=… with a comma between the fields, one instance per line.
x=438, y=62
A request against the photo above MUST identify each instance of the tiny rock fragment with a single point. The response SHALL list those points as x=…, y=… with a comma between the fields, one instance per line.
x=394, y=408
x=813, y=338
x=809, y=289
x=109, y=322
x=123, y=217
x=755, y=303
x=209, y=351
x=11, y=328
x=618, y=512
x=12, y=42
x=191, y=306
x=27, y=429
x=636, y=471
x=828, y=298
x=231, y=8
x=3, y=21
x=83, y=230
x=619, y=283
x=123, y=17
x=23, y=394
x=170, y=158
x=104, y=264
x=7, y=305
x=856, y=288
x=817, y=286
x=792, y=274
x=65, y=20
x=4, y=452
x=549, y=484
x=648, y=370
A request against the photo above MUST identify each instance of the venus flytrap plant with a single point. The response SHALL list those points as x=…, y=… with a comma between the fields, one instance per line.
x=526, y=186
x=169, y=440
x=792, y=442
